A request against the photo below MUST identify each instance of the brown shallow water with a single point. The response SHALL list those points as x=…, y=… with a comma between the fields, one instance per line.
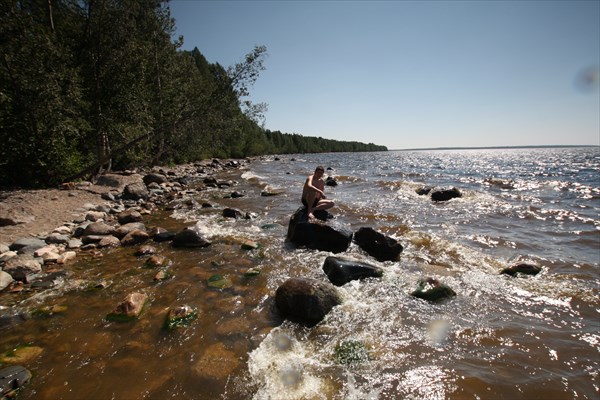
x=523, y=338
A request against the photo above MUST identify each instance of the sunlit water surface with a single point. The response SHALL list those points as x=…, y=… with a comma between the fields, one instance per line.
x=501, y=337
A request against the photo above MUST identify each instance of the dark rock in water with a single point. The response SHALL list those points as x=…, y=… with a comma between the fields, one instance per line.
x=11, y=379
x=10, y=320
x=330, y=181
x=57, y=238
x=207, y=205
x=236, y=195
x=341, y=270
x=164, y=236
x=523, y=268
x=154, y=178
x=189, y=238
x=145, y=250
x=130, y=308
x=232, y=213
x=318, y=236
x=136, y=191
x=424, y=190
x=123, y=230
x=433, y=290
x=157, y=260
x=378, y=245
x=445, y=194
x=306, y=301
x=180, y=316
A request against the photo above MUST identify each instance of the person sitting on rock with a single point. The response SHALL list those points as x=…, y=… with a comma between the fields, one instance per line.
x=313, y=196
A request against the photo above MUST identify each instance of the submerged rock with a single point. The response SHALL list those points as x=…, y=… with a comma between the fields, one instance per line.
x=306, y=301
x=130, y=308
x=341, y=270
x=219, y=282
x=180, y=316
x=11, y=379
x=433, y=290
x=21, y=355
x=523, y=268
x=351, y=352
x=378, y=245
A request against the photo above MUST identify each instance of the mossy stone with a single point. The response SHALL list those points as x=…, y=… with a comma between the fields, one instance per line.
x=219, y=282
x=350, y=352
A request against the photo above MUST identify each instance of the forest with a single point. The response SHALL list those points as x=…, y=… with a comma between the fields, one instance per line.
x=88, y=86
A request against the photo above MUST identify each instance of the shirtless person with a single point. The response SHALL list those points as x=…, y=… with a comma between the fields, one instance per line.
x=313, y=196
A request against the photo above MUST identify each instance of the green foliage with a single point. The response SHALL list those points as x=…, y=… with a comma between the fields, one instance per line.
x=87, y=86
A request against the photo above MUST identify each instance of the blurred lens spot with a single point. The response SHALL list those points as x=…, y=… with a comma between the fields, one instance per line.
x=587, y=80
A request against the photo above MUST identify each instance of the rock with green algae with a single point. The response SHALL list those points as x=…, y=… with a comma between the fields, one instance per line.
x=250, y=272
x=180, y=316
x=130, y=308
x=351, y=352
x=219, y=282
x=21, y=355
x=48, y=311
x=432, y=290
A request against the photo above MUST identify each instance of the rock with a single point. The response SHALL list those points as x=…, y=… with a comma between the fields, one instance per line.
x=109, y=241
x=110, y=180
x=269, y=193
x=5, y=280
x=155, y=178
x=164, y=236
x=22, y=267
x=51, y=248
x=247, y=244
x=219, y=282
x=237, y=195
x=306, y=301
x=161, y=275
x=92, y=239
x=423, y=190
x=8, y=220
x=123, y=230
x=145, y=250
x=216, y=363
x=341, y=271
x=27, y=245
x=48, y=311
x=250, y=272
x=74, y=244
x=130, y=308
x=63, y=230
x=11, y=379
x=134, y=237
x=330, y=181
x=95, y=216
x=522, y=268
x=378, y=245
x=180, y=316
x=99, y=228
x=232, y=213
x=7, y=256
x=433, y=290
x=4, y=248
x=189, y=238
x=129, y=215
x=136, y=191
x=21, y=355
x=57, y=238
x=66, y=256
x=156, y=260
x=334, y=237
x=445, y=194
x=351, y=352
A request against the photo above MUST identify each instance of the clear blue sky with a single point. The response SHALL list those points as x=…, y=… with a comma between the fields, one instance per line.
x=409, y=74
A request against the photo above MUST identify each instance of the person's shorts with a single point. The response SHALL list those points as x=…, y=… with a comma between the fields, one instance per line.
x=314, y=204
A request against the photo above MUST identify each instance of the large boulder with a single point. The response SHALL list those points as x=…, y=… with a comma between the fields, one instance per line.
x=27, y=245
x=445, y=194
x=326, y=237
x=522, y=269
x=136, y=191
x=342, y=270
x=129, y=215
x=99, y=228
x=155, y=178
x=306, y=301
x=189, y=238
x=378, y=245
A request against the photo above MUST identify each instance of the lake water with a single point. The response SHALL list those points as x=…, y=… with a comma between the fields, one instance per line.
x=500, y=337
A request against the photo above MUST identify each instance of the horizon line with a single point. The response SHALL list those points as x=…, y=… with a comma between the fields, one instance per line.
x=541, y=146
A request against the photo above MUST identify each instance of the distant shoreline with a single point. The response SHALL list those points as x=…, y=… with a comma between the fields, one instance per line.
x=552, y=146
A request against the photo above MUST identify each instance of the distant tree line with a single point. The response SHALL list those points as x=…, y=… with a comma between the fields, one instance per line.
x=90, y=85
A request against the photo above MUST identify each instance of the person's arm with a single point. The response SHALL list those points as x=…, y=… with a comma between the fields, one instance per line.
x=309, y=183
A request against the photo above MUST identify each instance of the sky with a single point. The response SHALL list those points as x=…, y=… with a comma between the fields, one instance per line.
x=414, y=74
